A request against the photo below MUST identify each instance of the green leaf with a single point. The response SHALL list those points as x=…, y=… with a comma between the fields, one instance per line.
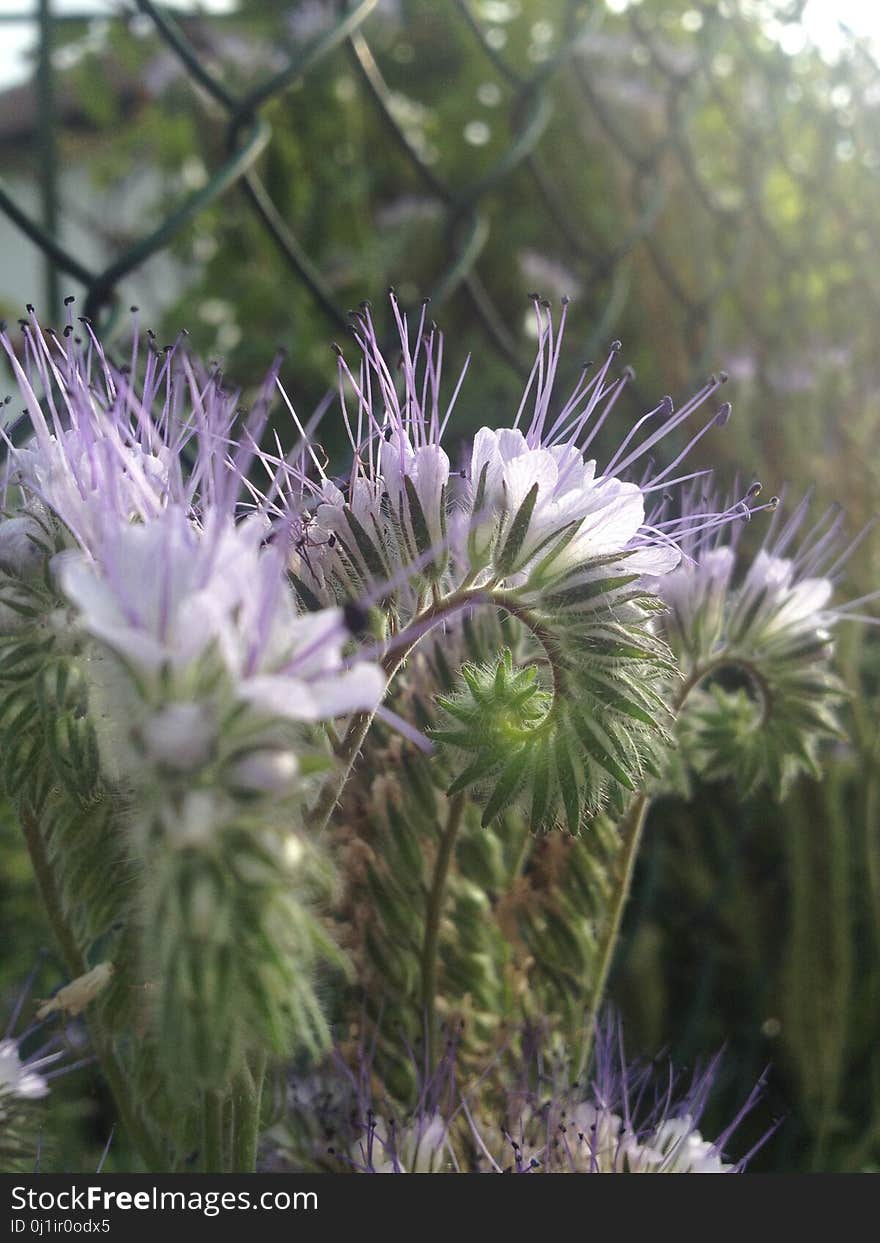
x=506, y=559
x=600, y=746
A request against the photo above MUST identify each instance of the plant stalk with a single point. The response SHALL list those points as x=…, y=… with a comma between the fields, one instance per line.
x=248, y=1098
x=631, y=838
x=430, y=945
x=105, y=1054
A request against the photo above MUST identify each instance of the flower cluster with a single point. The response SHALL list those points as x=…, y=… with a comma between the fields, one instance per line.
x=527, y=524
x=199, y=622
x=28, y=1060
x=625, y=1117
x=770, y=618
x=158, y=645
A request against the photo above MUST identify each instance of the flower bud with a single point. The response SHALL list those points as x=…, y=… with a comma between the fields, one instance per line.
x=180, y=736
x=19, y=553
x=265, y=772
x=192, y=824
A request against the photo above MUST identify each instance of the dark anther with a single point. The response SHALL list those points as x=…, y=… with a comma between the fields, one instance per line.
x=533, y=297
x=388, y=433
x=134, y=309
x=84, y=319
x=29, y=307
x=68, y=330
x=69, y=300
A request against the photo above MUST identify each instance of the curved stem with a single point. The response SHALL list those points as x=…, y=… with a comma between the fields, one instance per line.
x=106, y=1055
x=631, y=838
x=541, y=631
x=463, y=597
x=346, y=754
x=701, y=672
x=430, y=945
x=359, y=725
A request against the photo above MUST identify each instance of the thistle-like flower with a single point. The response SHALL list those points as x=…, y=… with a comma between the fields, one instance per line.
x=528, y=525
x=625, y=1117
x=25, y=1073
x=162, y=663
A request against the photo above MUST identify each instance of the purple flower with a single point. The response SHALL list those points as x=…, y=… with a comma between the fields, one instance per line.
x=527, y=507
x=776, y=602
x=626, y=1117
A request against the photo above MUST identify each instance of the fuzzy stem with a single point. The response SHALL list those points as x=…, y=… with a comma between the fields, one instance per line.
x=105, y=1054
x=630, y=840
x=248, y=1095
x=430, y=945
x=346, y=754
x=215, y=1147
x=359, y=726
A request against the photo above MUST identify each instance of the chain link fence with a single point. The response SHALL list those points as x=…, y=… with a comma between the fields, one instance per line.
x=668, y=164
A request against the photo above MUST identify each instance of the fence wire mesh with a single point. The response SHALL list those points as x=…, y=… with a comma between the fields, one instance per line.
x=704, y=187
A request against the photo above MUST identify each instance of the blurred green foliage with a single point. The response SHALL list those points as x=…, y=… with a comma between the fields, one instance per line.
x=702, y=194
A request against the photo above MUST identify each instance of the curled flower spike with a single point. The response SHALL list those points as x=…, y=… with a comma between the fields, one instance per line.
x=529, y=526
x=771, y=619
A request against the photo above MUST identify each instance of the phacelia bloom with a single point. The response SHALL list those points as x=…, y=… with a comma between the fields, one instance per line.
x=142, y=483
x=626, y=1117
x=18, y=1078
x=166, y=594
x=779, y=599
x=29, y=1060
x=527, y=505
x=769, y=617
